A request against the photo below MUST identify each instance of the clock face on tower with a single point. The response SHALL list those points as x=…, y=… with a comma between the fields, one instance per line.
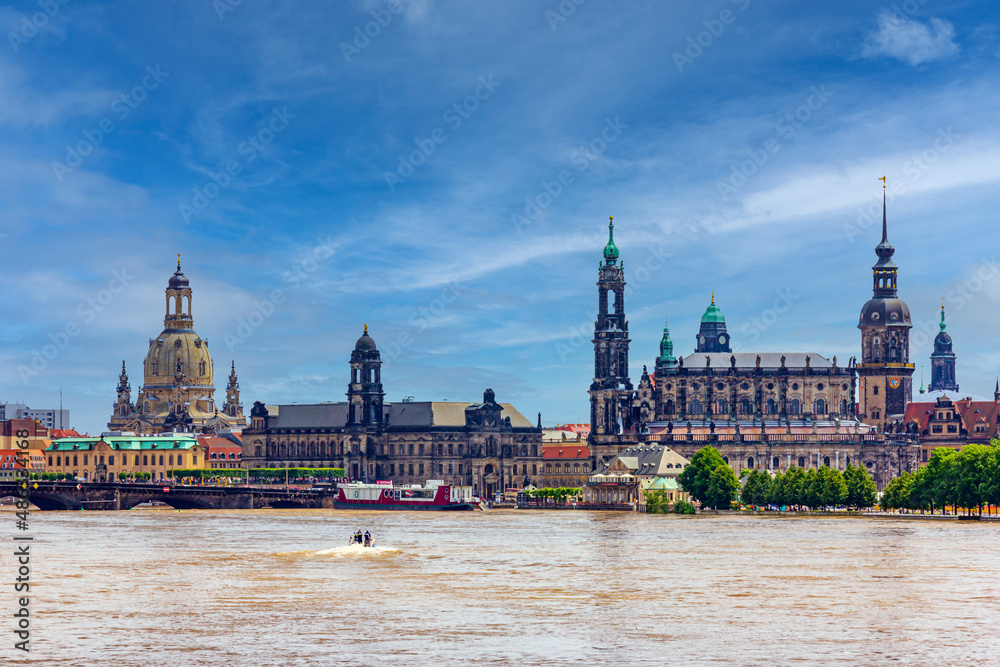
x=722, y=339
x=894, y=382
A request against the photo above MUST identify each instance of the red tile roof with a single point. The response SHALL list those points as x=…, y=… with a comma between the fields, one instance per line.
x=971, y=412
x=57, y=433
x=565, y=451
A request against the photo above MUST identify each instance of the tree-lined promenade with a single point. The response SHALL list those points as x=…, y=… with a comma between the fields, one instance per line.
x=968, y=479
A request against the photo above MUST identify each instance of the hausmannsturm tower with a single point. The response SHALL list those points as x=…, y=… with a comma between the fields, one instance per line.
x=178, y=389
x=885, y=370
x=611, y=390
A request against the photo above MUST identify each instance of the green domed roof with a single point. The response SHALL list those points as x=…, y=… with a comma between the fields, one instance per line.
x=712, y=313
x=611, y=250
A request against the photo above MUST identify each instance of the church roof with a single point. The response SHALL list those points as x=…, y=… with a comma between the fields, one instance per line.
x=713, y=314
x=415, y=414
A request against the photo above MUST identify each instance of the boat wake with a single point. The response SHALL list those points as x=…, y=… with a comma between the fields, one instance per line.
x=349, y=551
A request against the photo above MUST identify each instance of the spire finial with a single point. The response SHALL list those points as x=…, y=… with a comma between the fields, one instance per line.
x=178, y=261
x=883, y=182
x=885, y=229
x=713, y=296
x=366, y=328
x=942, y=315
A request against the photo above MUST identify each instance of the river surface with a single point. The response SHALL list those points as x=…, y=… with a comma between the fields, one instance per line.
x=279, y=587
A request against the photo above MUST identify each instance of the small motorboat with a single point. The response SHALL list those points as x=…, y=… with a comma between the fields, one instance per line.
x=362, y=541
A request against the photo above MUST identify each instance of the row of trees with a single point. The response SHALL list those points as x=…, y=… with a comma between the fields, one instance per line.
x=969, y=479
x=558, y=495
x=713, y=483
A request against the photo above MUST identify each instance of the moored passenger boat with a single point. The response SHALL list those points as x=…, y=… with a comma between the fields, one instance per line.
x=435, y=495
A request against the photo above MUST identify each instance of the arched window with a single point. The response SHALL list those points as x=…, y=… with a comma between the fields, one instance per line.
x=793, y=407
x=750, y=462
x=772, y=407
x=843, y=406
x=725, y=459
x=775, y=463
x=721, y=407
x=696, y=407
x=847, y=460
x=826, y=461
x=802, y=462
x=745, y=407
x=820, y=407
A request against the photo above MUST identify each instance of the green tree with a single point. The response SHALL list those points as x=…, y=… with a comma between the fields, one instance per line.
x=861, y=491
x=756, y=488
x=657, y=502
x=794, y=486
x=920, y=496
x=812, y=488
x=896, y=494
x=122, y=476
x=776, y=490
x=696, y=475
x=991, y=484
x=722, y=487
x=942, y=474
x=833, y=489
x=971, y=476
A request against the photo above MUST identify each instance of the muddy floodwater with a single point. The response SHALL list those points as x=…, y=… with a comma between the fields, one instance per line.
x=281, y=587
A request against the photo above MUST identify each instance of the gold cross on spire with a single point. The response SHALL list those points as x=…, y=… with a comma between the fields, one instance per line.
x=883, y=182
x=178, y=261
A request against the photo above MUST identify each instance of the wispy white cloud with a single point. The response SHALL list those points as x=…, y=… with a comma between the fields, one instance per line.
x=910, y=40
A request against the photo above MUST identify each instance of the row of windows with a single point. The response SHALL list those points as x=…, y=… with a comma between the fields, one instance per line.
x=776, y=461
x=745, y=407
x=322, y=450
x=232, y=456
x=99, y=460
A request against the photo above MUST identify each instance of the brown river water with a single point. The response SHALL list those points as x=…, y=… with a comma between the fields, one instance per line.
x=279, y=587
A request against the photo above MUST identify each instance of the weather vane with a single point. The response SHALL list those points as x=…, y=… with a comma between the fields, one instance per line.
x=883, y=182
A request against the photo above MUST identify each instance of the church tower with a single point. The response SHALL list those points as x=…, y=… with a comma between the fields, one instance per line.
x=232, y=406
x=712, y=335
x=611, y=391
x=943, y=362
x=364, y=394
x=666, y=358
x=123, y=406
x=885, y=369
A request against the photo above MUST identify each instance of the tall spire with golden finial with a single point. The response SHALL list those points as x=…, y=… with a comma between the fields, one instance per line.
x=611, y=250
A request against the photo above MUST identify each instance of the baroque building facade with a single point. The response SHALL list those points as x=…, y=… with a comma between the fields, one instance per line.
x=761, y=411
x=487, y=445
x=178, y=392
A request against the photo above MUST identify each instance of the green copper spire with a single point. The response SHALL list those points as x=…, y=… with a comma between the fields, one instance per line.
x=667, y=348
x=611, y=250
x=942, y=317
x=712, y=313
x=922, y=390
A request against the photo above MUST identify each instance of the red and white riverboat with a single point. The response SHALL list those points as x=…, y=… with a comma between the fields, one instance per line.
x=435, y=495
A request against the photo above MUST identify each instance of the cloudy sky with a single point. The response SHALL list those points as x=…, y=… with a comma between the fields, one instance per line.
x=443, y=171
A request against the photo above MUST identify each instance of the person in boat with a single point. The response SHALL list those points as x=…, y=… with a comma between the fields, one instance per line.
x=356, y=537
x=368, y=539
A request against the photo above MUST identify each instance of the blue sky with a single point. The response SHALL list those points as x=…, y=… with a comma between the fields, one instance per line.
x=447, y=178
